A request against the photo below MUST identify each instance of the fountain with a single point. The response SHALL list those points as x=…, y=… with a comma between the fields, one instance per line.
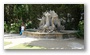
x=50, y=26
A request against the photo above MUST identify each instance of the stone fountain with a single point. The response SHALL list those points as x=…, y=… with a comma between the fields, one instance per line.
x=50, y=26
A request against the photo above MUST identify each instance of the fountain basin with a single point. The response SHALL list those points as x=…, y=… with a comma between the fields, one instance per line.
x=60, y=35
x=68, y=31
x=42, y=34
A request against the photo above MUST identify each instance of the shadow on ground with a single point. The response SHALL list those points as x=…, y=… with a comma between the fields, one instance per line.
x=58, y=44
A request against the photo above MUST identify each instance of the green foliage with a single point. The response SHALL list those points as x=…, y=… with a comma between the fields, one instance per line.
x=14, y=27
x=17, y=13
x=6, y=27
x=81, y=29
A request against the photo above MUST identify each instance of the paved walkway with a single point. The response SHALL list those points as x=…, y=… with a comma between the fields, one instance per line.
x=47, y=43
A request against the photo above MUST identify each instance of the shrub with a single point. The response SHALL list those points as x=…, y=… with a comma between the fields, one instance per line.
x=81, y=29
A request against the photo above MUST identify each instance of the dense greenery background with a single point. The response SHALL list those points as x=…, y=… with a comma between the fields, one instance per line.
x=15, y=14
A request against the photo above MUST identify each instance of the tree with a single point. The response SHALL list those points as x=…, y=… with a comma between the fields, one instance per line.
x=17, y=13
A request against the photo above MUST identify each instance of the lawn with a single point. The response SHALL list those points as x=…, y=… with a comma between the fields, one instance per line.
x=7, y=43
x=23, y=46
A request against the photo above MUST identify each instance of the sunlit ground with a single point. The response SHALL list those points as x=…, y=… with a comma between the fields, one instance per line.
x=7, y=43
x=22, y=46
x=45, y=43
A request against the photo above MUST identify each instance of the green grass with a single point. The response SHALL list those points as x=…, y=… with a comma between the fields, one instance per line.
x=23, y=46
x=7, y=43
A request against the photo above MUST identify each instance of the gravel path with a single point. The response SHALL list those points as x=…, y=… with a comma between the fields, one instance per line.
x=47, y=43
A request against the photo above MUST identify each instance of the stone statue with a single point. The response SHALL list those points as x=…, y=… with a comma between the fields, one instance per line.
x=50, y=22
x=42, y=23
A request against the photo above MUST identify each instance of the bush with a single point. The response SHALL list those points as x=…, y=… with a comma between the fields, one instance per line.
x=81, y=29
x=11, y=28
x=14, y=27
x=6, y=27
